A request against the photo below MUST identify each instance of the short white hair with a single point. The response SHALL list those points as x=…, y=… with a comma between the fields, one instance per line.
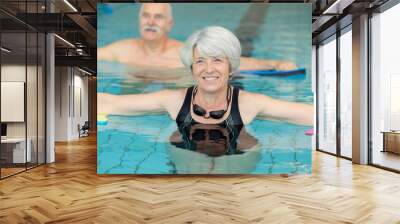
x=213, y=41
x=169, y=9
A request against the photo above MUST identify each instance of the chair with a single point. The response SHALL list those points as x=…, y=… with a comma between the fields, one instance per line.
x=84, y=130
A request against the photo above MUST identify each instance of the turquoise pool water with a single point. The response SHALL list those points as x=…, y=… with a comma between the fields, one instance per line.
x=140, y=144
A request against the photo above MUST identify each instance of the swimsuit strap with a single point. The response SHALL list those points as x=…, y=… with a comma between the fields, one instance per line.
x=185, y=109
x=235, y=114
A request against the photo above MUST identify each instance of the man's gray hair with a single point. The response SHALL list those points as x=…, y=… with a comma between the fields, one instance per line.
x=212, y=41
x=168, y=5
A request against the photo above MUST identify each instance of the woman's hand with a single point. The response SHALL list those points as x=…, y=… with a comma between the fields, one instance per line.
x=265, y=107
x=293, y=112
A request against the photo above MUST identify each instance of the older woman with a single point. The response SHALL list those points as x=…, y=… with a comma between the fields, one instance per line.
x=213, y=55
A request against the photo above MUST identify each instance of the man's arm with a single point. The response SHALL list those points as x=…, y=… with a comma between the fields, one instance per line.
x=106, y=53
x=247, y=63
x=293, y=112
x=114, y=51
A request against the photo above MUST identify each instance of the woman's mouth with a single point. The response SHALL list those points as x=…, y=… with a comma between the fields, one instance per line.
x=210, y=78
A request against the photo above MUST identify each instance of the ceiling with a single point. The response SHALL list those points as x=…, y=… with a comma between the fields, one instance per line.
x=76, y=25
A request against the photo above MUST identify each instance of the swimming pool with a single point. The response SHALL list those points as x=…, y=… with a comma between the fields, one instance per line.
x=140, y=144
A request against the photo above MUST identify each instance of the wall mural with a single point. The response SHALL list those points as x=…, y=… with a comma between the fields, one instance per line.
x=204, y=88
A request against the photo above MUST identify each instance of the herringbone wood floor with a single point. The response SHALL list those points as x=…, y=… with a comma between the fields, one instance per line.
x=70, y=191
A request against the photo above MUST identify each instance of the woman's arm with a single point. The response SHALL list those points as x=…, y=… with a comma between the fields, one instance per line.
x=247, y=63
x=274, y=109
x=137, y=103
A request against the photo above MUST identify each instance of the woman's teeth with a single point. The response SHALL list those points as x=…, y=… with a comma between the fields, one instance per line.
x=209, y=78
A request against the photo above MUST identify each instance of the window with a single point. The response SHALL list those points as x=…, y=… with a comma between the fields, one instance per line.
x=385, y=85
x=327, y=96
x=346, y=93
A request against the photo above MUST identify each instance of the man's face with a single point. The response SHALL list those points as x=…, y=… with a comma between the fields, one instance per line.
x=155, y=21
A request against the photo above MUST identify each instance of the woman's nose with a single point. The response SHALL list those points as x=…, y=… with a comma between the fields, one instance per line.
x=210, y=66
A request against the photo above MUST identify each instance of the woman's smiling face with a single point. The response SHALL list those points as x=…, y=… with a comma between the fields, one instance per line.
x=211, y=73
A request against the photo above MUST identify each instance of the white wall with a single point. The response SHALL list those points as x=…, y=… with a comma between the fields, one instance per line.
x=71, y=93
x=12, y=73
x=12, y=101
x=62, y=81
x=79, y=112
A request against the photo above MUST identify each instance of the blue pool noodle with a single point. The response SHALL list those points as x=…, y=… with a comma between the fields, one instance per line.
x=300, y=71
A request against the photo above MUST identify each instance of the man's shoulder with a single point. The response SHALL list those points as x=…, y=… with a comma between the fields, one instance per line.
x=175, y=44
x=125, y=43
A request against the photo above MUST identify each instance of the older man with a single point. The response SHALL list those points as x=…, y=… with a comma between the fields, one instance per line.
x=155, y=49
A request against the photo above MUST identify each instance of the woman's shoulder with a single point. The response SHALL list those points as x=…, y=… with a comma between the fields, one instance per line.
x=250, y=95
x=174, y=93
x=252, y=100
x=172, y=100
x=245, y=95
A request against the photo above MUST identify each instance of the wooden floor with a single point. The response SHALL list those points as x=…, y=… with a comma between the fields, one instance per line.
x=70, y=191
x=10, y=171
x=5, y=172
x=387, y=159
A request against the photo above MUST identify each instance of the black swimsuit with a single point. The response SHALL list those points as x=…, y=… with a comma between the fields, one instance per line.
x=227, y=131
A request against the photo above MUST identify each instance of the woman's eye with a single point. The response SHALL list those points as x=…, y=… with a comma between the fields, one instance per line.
x=218, y=60
x=199, y=61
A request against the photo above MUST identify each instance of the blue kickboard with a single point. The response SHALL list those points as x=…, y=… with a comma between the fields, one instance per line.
x=300, y=71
